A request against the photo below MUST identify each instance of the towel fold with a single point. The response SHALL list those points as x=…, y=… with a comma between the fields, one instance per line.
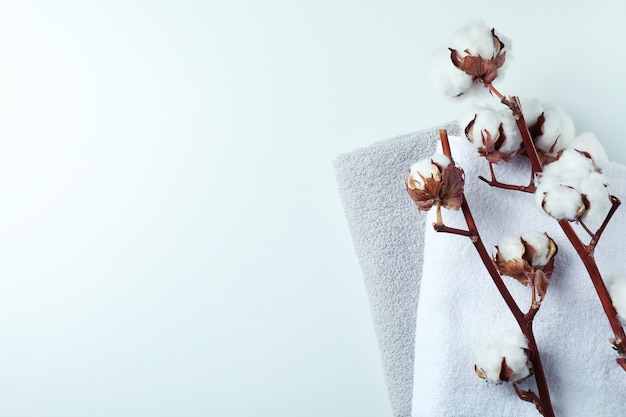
x=459, y=306
x=387, y=232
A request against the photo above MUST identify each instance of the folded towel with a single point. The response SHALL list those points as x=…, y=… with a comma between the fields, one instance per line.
x=387, y=232
x=459, y=306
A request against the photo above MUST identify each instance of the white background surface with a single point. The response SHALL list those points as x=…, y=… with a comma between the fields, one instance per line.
x=172, y=242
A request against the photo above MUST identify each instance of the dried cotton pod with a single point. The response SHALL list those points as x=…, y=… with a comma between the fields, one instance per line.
x=480, y=52
x=504, y=358
x=436, y=180
x=493, y=134
x=572, y=188
x=475, y=56
x=528, y=258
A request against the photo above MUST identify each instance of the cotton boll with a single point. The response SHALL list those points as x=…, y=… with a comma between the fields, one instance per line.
x=494, y=134
x=423, y=169
x=468, y=117
x=532, y=109
x=559, y=201
x=510, y=248
x=486, y=123
x=476, y=38
x=440, y=159
x=571, y=167
x=436, y=180
x=616, y=284
x=588, y=143
x=557, y=132
x=546, y=180
x=595, y=191
x=541, y=243
x=426, y=168
x=508, y=350
x=448, y=79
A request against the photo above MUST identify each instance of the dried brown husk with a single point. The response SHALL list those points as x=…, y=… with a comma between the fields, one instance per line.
x=523, y=270
x=445, y=188
x=481, y=69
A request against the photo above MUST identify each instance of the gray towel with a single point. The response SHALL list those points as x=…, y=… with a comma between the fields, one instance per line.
x=371, y=185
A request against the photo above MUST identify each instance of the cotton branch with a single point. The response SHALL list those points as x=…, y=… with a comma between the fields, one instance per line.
x=585, y=252
x=524, y=321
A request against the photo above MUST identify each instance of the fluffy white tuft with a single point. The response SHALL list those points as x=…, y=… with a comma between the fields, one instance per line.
x=448, y=79
x=594, y=189
x=513, y=137
x=475, y=38
x=558, y=130
x=616, y=284
x=588, y=143
x=563, y=184
x=557, y=200
x=469, y=115
x=571, y=165
x=440, y=159
x=486, y=122
x=488, y=357
x=427, y=169
x=541, y=243
x=532, y=109
x=510, y=247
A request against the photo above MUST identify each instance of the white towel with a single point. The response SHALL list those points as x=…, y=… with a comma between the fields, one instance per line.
x=378, y=211
x=459, y=307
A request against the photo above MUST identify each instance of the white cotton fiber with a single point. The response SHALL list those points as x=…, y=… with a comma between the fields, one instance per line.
x=558, y=131
x=559, y=201
x=510, y=247
x=571, y=167
x=440, y=159
x=594, y=189
x=513, y=138
x=427, y=169
x=541, y=243
x=488, y=357
x=448, y=79
x=616, y=284
x=487, y=122
x=469, y=116
x=476, y=38
x=588, y=143
x=532, y=109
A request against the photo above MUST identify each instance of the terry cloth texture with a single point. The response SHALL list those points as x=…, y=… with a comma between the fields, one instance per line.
x=459, y=305
x=387, y=232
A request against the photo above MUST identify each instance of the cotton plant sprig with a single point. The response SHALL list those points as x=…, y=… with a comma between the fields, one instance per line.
x=529, y=259
x=438, y=182
x=566, y=169
x=496, y=135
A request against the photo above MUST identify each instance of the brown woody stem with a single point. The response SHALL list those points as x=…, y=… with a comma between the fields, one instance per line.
x=438, y=208
x=530, y=188
x=615, y=203
x=440, y=227
x=529, y=396
x=524, y=322
x=497, y=184
x=494, y=91
x=598, y=283
x=513, y=103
